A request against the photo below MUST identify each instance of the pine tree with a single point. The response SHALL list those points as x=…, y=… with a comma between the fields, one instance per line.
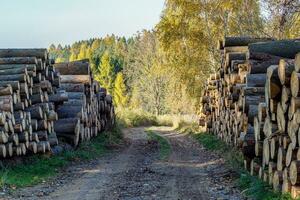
x=119, y=93
x=72, y=57
x=105, y=76
x=96, y=44
x=83, y=52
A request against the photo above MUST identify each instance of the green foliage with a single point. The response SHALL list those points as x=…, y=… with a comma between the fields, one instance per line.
x=41, y=167
x=137, y=117
x=210, y=142
x=133, y=118
x=164, y=69
x=106, y=74
x=257, y=189
x=163, y=144
x=147, y=77
x=187, y=34
x=282, y=18
x=119, y=94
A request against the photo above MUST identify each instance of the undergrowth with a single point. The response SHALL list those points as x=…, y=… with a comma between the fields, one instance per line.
x=136, y=117
x=38, y=168
x=163, y=144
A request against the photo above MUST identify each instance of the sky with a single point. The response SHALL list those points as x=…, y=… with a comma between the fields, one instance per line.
x=39, y=23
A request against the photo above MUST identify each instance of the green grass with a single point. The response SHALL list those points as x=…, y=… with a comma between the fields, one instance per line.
x=137, y=117
x=39, y=168
x=163, y=144
x=134, y=118
x=251, y=186
x=257, y=189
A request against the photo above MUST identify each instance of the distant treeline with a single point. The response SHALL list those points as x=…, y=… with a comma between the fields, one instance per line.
x=162, y=70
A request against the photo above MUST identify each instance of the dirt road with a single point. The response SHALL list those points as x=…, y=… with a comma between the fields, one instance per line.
x=136, y=173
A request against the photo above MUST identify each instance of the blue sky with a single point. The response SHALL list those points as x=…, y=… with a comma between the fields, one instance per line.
x=39, y=23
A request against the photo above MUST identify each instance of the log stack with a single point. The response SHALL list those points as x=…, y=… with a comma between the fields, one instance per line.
x=253, y=103
x=88, y=110
x=27, y=81
x=37, y=104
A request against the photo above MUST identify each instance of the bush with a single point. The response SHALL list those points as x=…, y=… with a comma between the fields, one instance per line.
x=137, y=117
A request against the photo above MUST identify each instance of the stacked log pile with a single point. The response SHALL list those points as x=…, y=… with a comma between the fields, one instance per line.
x=37, y=104
x=253, y=103
x=88, y=110
x=27, y=82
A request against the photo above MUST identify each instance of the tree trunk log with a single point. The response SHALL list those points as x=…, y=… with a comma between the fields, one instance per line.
x=282, y=48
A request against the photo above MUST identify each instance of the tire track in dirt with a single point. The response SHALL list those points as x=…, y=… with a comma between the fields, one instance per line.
x=136, y=173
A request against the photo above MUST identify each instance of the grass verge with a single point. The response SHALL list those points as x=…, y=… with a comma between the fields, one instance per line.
x=136, y=117
x=251, y=186
x=39, y=168
x=164, y=146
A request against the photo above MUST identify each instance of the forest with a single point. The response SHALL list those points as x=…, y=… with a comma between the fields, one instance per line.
x=162, y=71
x=204, y=105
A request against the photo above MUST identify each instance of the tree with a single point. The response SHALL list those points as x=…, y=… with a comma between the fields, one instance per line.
x=73, y=56
x=119, y=92
x=105, y=75
x=282, y=18
x=60, y=59
x=83, y=52
x=187, y=34
x=146, y=75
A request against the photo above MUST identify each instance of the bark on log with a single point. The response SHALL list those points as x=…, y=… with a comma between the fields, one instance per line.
x=14, y=77
x=38, y=53
x=282, y=48
x=256, y=80
x=73, y=87
x=259, y=67
x=14, y=84
x=76, y=79
x=67, y=126
x=242, y=41
x=65, y=111
x=73, y=68
x=18, y=60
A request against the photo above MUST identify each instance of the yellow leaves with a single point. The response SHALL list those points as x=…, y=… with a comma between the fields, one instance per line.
x=119, y=92
x=73, y=57
x=59, y=60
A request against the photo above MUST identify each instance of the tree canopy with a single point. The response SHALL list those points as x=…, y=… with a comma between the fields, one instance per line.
x=163, y=70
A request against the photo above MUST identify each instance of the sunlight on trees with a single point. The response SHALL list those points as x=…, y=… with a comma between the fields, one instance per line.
x=119, y=93
x=163, y=70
